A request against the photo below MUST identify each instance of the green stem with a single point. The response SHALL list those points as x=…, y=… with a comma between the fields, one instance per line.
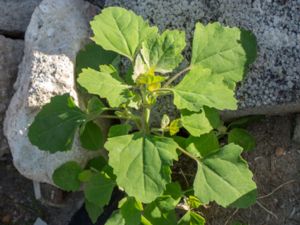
x=188, y=154
x=176, y=76
x=188, y=190
x=146, y=110
x=146, y=118
x=112, y=117
x=111, y=109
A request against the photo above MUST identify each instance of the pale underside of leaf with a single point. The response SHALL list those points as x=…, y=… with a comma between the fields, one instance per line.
x=163, y=52
x=103, y=85
x=224, y=50
x=199, y=88
x=195, y=123
x=120, y=30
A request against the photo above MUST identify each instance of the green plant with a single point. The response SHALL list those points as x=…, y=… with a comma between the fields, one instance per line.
x=140, y=156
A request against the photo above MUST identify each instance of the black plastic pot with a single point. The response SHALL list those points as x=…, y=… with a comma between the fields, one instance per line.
x=81, y=217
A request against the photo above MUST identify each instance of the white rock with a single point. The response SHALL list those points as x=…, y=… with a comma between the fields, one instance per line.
x=39, y=222
x=15, y=15
x=47, y=69
x=11, y=52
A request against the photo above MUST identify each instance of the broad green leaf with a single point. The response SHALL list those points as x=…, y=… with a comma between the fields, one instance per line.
x=143, y=162
x=66, y=176
x=98, y=189
x=201, y=122
x=119, y=130
x=163, y=52
x=170, y=198
x=223, y=177
x=144, y=221
x=226, y=51
x=162, y=210
x=191, y=218
x=93, y=210
x=131, y=211
x=103, y=85
x=242, y=138
x=213, y=117
x=246, y=200
x=203, y=145
x=91, y=137
x=112, y=71
x=97, y=163
x=120, y=30
x=128, y=214
x=85, y=175
x=245, y=121
x=95, y=107
x=181, y=141
x=195, y=123
x=175, y=126
x=199, y=88
x=174, y=190
x=159, y=216
x=116, y=219
x=54, y=127
x=93, y=56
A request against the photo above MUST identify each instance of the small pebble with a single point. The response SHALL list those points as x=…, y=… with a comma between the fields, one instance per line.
x=6, y=219
x=279, y=151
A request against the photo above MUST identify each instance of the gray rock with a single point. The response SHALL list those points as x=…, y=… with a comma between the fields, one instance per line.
x=15, y=15
x=57, y=31
x=11, y=52
x=99, y=3
x=39, y=221
x=274, y=79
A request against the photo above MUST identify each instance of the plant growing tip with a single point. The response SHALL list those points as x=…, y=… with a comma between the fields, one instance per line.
x=140, y=156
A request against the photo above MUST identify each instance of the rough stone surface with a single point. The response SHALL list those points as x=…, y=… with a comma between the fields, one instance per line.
x=274, y=79
x=99, y=3
x=57, y=31
x=15, y=15
x=11, y=52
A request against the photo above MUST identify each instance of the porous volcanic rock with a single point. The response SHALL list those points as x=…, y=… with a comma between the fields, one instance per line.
x=274, y=79
x=57, y=31
x=15, y=16
x=11, y=52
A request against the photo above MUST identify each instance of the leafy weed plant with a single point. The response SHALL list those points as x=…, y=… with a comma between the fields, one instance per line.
x=140, y=156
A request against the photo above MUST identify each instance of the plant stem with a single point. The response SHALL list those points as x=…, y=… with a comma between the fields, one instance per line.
x=176, y=76
x=146, y=110
x=111, y=109
x=162, y=89
x=147, y=118
x=188, y=154
x=112, y=117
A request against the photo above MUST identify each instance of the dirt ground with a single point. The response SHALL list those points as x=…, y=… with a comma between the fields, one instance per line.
x=18, y=205
x=275, y=163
